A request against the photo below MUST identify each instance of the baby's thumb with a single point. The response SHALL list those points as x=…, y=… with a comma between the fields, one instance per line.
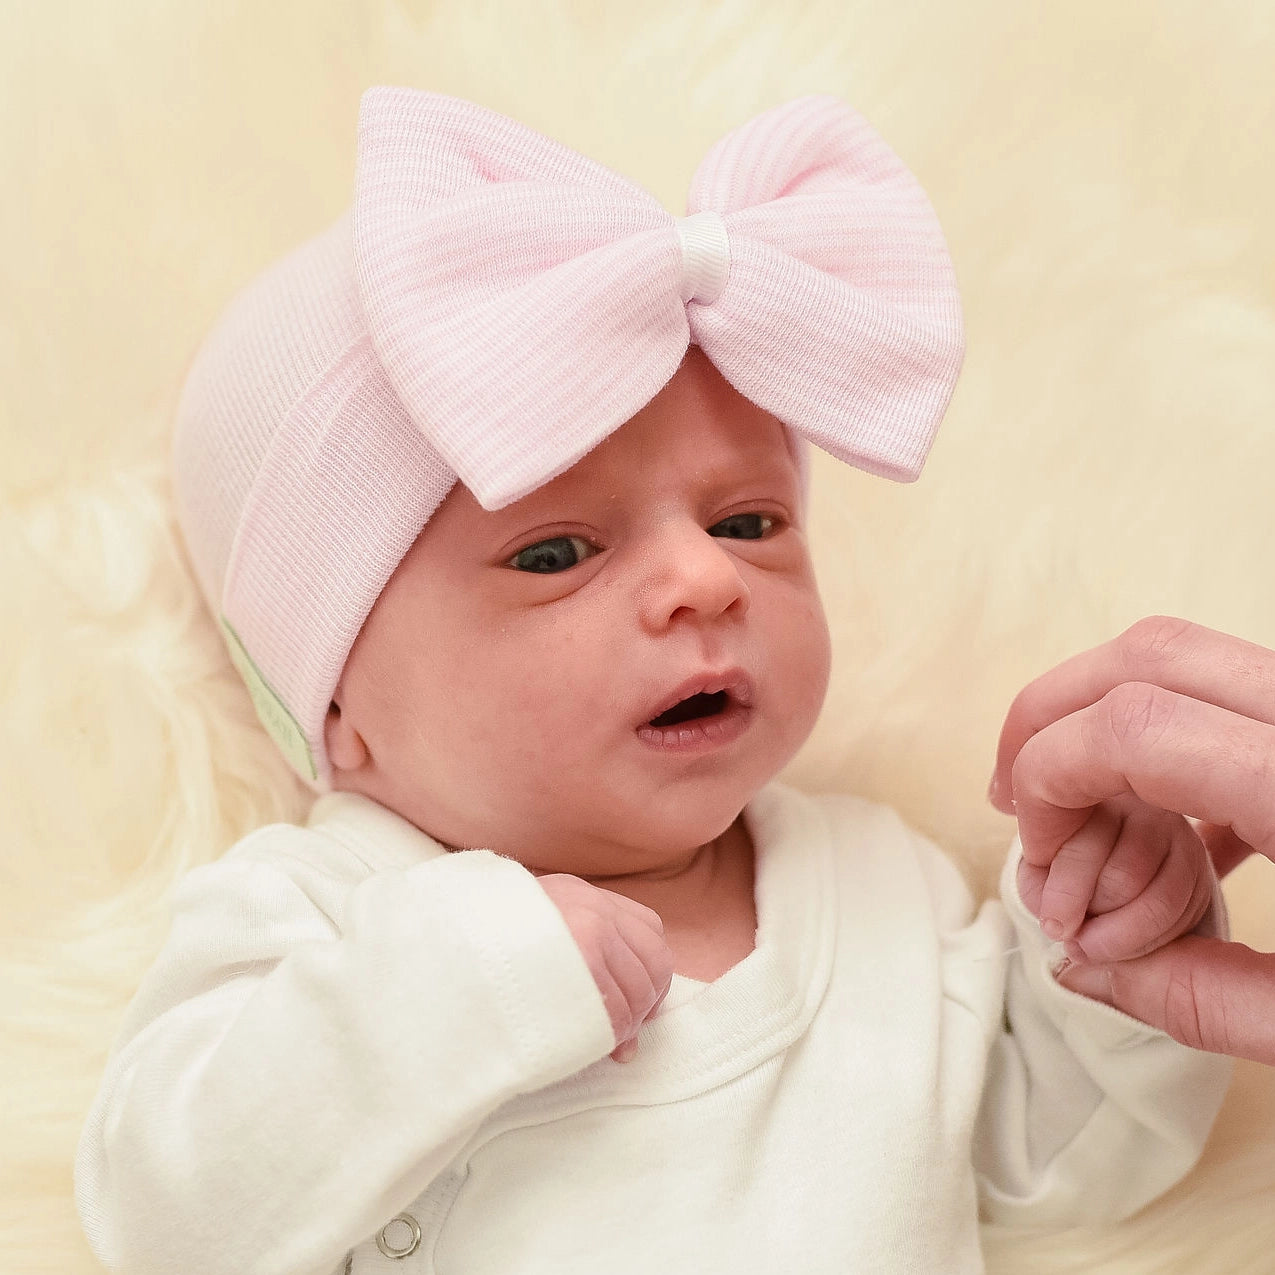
x=1205, y=992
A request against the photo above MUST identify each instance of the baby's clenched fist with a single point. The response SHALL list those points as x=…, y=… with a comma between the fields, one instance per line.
x=623, y=945
x=1132, y=879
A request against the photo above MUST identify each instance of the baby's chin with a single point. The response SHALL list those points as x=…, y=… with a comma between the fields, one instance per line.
x=593, y=827
x=621, y=847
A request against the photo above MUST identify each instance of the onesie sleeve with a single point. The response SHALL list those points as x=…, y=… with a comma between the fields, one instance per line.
x=1087, y=1114
x=287, y=1079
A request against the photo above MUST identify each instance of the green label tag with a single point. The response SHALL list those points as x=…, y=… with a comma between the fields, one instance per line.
x=280, y=723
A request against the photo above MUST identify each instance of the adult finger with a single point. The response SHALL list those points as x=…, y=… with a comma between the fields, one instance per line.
x=1225, y=849
x=1187, y=659
x=1204, y=992
x=1172, y=751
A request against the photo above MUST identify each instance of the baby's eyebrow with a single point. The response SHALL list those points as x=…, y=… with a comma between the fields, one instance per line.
x=776, y=471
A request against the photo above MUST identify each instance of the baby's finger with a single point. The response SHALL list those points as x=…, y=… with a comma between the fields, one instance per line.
x=653, y=952
x=626, y=1050
x=1074, y=871
x=1128, y=872
x=1145, y=838
x=637, y=912
x=1173, y=904
x=1031, y=882
x=640, y=966
x=627, y=989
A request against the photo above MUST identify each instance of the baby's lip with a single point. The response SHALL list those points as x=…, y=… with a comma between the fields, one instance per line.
x=734, y=681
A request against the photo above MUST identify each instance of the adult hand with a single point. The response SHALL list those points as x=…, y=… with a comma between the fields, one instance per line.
x=1183, y=718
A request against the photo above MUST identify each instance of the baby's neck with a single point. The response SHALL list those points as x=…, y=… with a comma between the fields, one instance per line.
x=707, y=905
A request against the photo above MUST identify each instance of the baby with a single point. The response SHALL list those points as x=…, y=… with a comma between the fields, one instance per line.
x=498, y=490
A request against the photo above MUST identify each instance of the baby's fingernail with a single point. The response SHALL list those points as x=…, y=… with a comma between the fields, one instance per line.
x=1053, y=929
x=1075, y=952
x=624, y=1051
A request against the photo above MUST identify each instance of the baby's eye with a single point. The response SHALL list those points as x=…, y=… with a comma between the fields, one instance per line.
x=548, y=556
x=742, y=527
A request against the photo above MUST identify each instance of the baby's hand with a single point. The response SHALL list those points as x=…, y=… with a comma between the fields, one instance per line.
x=1131, y=880
x=623, y=943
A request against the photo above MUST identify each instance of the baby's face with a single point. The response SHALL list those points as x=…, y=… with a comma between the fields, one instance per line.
x=599, y=676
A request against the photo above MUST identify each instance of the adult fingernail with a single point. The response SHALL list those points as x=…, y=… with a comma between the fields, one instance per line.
x=998, y=793
x=1093, y=981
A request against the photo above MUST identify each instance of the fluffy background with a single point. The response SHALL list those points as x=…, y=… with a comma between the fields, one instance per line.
x=1103, y=173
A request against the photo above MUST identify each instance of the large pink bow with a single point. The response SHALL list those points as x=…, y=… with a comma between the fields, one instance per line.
x=525, y=301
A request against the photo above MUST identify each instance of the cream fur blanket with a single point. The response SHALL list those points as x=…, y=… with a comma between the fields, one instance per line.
x=1104, y=174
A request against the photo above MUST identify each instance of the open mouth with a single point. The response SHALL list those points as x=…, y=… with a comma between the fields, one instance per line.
x=693, y=708
x=703, y=713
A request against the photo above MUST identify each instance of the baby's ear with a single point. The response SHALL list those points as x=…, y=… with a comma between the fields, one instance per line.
x=346, y=749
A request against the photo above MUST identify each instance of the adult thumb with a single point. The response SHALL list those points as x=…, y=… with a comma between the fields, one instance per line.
x=1205, y=992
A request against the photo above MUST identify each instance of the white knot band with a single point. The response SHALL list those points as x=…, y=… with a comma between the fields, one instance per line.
x=705, y=256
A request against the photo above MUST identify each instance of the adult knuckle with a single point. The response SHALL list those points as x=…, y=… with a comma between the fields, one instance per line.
x=1183, y=999
x=1229, y=1030
x=1138, y=713
x=1154, y=641
x=1253, y=818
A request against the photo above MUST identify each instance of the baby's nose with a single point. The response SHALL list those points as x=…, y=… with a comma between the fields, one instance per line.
x=695, y=577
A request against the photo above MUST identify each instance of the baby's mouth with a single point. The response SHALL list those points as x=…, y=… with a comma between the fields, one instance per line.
x=694, y=708
x=702, y=702
x=707, y=711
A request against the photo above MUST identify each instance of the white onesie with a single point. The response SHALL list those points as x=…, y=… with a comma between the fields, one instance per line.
x=359, y=1051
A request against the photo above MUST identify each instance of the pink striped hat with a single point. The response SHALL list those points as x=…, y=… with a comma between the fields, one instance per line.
x=494, y=305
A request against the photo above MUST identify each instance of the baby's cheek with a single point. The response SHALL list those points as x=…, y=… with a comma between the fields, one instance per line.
x=543, y=716
x=799, y=656
x=811, y=657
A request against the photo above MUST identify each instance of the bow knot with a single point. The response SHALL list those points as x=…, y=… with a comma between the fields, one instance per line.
x=525, y=301
x=705, y=256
